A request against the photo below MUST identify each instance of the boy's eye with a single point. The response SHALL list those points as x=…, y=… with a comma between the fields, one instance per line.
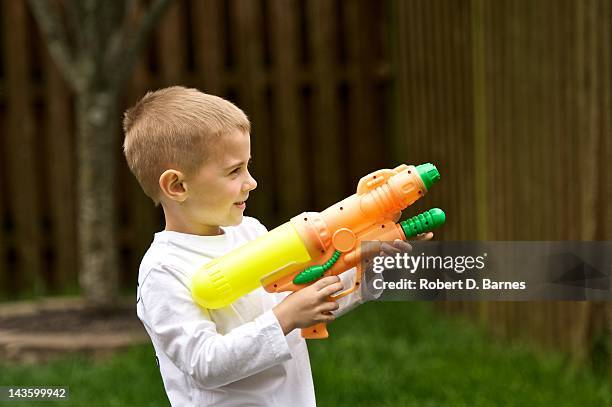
x=237, y=169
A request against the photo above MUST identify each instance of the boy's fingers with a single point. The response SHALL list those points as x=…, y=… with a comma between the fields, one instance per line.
x=402, y=245
x=386, y=248
x=327, y=318
x=325, y=281
x=371, y=249
x=425, y=236
x=329, y=306
x=398, y=246
x=331, y=289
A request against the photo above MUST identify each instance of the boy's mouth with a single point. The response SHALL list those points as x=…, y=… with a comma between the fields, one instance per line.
x=240, y=204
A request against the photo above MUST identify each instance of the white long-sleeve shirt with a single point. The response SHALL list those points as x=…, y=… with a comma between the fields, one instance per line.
x=232, y=356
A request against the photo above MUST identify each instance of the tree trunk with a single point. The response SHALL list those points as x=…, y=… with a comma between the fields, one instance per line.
x=98, y=119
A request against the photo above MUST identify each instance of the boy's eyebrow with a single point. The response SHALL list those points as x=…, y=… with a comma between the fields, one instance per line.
x=238, y=164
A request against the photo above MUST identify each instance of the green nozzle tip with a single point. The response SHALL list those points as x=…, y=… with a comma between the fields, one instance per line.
x=424, y=222
x=429, y=174
x=438, y=217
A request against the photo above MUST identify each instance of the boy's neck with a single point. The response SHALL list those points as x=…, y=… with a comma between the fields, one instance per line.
x=181, y=225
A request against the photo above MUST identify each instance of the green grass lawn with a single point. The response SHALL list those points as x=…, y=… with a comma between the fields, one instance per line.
x=383, y=354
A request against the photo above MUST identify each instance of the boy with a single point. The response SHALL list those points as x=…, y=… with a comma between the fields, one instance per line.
x=190, y=152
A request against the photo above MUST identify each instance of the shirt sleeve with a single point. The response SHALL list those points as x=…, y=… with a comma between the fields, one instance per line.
x=188, y=335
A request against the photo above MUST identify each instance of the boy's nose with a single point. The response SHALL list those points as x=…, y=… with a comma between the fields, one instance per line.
x=251, y=183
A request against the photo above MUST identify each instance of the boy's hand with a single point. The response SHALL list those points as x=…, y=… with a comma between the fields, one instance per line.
x=398, y=246
x=368, y=290
x=309, y=306
x=389, y=249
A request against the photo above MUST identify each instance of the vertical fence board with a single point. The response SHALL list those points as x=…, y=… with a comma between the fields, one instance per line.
x=247, y=19
x=500, y=116
x=290, y=154
x=327, y=152
x=590, y=117
x=496, y=118
x=416, y=81
x=419, y=80
x=405, y=102
x=208, y=43
x=605, y=147
x=552, y=114
x=365, y=147
x=172, y=44
x=400, y=49
x=5, y=283
x=441, y=95
x=606, y=172
x=464, y=113
x=24, y=199
x=605, y=178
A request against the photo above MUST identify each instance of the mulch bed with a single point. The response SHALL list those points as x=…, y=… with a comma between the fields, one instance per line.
x=38, y=331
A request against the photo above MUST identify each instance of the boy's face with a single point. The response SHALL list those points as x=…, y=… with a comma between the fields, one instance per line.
x=218, y=191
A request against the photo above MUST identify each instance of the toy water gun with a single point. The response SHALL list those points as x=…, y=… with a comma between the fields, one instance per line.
x=314, y=245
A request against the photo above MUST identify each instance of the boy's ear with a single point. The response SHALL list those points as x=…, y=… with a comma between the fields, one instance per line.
x=171, y=184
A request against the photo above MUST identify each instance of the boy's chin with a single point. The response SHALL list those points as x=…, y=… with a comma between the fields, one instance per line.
x=234, y=220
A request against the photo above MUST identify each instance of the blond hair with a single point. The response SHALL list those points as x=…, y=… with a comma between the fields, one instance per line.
x=171, y=128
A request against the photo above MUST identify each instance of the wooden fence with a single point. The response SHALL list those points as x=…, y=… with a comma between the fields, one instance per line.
x=510, y=99
x=515, y=95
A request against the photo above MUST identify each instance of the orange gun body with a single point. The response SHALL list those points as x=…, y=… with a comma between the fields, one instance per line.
x=368, y=215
